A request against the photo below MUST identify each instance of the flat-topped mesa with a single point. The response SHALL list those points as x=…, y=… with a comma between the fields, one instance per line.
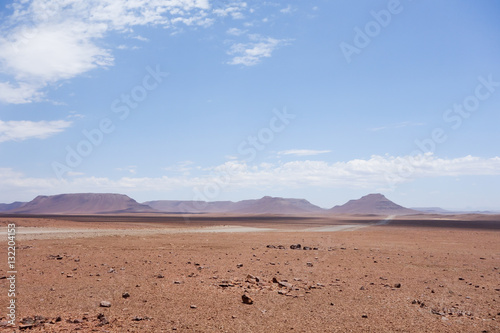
x=83, y=203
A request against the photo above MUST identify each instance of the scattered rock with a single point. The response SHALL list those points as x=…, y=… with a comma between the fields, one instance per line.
x=105, y=304
x=397, y=285
x=285, y=284
x=309, y=264
x=102, y=319
x=364, y=316
x=125, y=295
x=295, y=246
x=246, y=299
x=307, y=248
x=193, y=306
x=239, y=265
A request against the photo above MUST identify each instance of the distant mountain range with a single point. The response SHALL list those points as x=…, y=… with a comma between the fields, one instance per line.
x=108, y=203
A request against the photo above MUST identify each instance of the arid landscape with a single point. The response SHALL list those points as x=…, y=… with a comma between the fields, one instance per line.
x=248, y=273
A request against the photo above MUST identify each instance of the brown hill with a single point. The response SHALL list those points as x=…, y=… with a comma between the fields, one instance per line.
x=372, y=204
x=83, y=203
x=14, y=205
x=265, y=205
x=275, y=205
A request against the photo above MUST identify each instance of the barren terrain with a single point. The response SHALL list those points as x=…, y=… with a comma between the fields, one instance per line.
x=170, y=274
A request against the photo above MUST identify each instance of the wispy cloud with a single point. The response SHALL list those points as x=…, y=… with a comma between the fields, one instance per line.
x=251, y=53
x=235, y=31
x=397, y=125
x=288, y=10
x=358, y=173
x=45, y=41
x=234, y=9
x=130, y=169
x=23, y=130
x=303, y=152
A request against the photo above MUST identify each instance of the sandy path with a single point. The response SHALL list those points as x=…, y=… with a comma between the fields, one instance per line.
x=30, y=233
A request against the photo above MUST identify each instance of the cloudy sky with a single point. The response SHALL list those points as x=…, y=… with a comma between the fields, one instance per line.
x=230, y=100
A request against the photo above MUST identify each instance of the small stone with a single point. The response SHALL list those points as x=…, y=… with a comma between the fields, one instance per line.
x=160, y=276
x=193, y=306
x=397, y=285
x=125, y=295
x=364, y=316
x=295, y=246
x=102, y=319
x=362, y=288
x=285, y=284
x=177, y=282
x=309, y=264
x=105, y=304
x=246, y=299
x=239, y=265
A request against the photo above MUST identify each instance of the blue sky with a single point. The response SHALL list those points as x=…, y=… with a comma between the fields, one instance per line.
x=231, y=100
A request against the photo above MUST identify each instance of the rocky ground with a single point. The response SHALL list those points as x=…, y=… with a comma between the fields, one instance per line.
x=382, y=278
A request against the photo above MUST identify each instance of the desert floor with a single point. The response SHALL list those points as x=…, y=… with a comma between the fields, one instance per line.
x=165, y=274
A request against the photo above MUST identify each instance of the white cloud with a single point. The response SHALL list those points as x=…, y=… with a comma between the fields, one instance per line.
x=22, y=93
x=235, y=10
x=287, y=10
x=377, y=171
x=23, y=130
x=250, y=54
x=45, y=41
x=235, y=31
x=303, y=152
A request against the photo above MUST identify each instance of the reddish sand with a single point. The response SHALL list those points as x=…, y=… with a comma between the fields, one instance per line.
x=404, y=276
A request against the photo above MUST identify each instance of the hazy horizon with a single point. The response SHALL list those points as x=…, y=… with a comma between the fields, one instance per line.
x=233, y=100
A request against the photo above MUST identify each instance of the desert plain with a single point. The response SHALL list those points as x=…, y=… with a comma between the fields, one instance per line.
x=198, y=273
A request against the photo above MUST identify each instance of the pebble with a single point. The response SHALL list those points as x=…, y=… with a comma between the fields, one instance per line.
x=105, y=304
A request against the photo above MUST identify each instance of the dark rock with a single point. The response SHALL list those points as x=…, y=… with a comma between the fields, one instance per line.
x=125, y=295
x=397, y=285
x=295, y=246
x=246, y=299
x=102, y=319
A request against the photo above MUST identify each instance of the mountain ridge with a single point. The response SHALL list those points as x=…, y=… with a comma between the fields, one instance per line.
x=112, y=203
